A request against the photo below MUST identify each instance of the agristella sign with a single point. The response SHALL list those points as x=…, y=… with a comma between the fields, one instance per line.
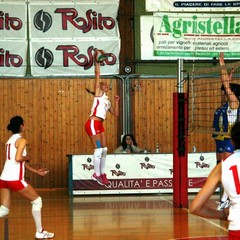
x=196, y=35
x=190, y=29
x=192, y=5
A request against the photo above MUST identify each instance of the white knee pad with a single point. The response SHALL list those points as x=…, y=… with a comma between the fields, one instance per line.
x=37, y=204
x=104, y=152
x=4, y=211
x=97, y=153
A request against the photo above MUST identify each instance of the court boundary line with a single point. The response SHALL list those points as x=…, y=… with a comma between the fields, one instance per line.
x=208, y=220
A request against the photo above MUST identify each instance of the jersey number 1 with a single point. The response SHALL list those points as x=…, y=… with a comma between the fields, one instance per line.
x=236, y=178
x=8, y=151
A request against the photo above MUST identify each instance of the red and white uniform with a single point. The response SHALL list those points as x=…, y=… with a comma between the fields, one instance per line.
x=231, y=184
x=100, y=107
x=13, y=170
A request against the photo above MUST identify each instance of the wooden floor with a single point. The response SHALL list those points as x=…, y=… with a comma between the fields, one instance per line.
x=115, y=217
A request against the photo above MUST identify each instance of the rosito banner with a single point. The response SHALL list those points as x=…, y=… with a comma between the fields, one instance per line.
x=64, y=36
x=137, y=173
x=188, y=35
x=73, y=20
x=13, y=39
x=13, y=20
x=61, y=35
x=192, y=6
x=13, y=58
x=72, y=58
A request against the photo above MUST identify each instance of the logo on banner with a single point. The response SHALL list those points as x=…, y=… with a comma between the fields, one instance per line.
x=147, y=165
x=118, y=172
x=7, y=22
x=92, y=21
x=44, y=58
x=178, y=28
x=7, y=59
x=88, y=166
x=42, y=21
x=201, y=164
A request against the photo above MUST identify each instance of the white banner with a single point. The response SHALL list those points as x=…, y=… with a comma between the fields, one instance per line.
x=196, y=35
x=137, y=173
x=73, y=19
x=64, y=36
x=147, y=38
x=13, y=20
x=13, y=58
x=192, y=6
x=72, y=58
x=13, y=34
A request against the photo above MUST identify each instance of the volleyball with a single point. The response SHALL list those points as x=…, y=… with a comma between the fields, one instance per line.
x=100, y=56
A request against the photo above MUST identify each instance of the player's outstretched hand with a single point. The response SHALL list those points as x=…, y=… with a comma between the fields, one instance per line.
x=42, y=172
x=221, y=59
x=117, y=98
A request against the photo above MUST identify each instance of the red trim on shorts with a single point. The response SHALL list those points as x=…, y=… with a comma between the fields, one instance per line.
x=233, y=234
x=13, y=185
x=94, y=127
x=95, y=109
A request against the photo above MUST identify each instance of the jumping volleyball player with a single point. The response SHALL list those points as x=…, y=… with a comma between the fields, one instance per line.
x=94, y=126
x=12, y=177
x=231, y=114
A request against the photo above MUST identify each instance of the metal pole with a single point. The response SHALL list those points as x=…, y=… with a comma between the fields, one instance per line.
x=128, y=102
x=180, y=76
x=127, y=106
x=123, y=103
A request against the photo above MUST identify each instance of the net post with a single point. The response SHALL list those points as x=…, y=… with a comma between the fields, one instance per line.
x=176, y=161
x=180, y=143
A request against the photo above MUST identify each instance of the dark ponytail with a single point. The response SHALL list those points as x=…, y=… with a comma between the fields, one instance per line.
x=93, y=93
x=15, y=124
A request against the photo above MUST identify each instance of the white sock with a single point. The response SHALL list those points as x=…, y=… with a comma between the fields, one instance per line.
x=96, y=160
x=36, y=212
x=4, y=211
x=103, y=160
x=224, y=197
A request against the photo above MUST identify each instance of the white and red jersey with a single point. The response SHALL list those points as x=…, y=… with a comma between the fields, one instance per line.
x=100, y=106
x=231, y=184
x=13, y=170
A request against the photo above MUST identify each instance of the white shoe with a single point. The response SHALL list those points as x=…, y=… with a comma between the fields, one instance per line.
x=223, y=204
x=4, y=211
x=44, y=235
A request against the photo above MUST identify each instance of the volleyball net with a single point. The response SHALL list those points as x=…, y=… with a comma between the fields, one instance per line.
x=206, y=95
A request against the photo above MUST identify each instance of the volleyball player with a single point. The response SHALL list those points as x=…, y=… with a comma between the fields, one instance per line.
x=95, y=129
x=12, y=177
x=231, y=115
x=226, y=172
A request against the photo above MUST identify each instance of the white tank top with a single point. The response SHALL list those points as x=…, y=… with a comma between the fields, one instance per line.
x=231, y=184
x=13, y=170
x=100, y=106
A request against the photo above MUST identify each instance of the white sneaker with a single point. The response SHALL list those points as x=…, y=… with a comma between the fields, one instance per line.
x=44, y=235
x=223, y=204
